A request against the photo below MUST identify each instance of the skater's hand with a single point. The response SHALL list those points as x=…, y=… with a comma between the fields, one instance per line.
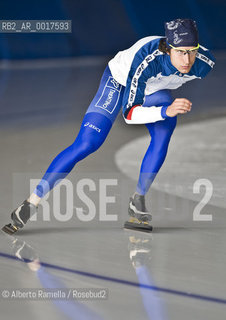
x=180, y=105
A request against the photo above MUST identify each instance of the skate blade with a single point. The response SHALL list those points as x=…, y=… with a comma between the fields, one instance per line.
x=10, y=229
x=135, y=224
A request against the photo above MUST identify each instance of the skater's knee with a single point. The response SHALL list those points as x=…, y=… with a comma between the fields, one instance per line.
x=90, y=146
x=84, y=147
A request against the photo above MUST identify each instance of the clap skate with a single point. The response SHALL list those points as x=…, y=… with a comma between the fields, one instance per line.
x=19, y=217
x=139, y=216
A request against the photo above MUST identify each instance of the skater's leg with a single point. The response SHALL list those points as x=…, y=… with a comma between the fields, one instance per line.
x=87, y=141
x=95, y=127
x=161, y=132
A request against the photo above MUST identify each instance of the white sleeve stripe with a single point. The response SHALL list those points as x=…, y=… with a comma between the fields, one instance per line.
x=134, y=83
x=205, y=59
x=142, y=115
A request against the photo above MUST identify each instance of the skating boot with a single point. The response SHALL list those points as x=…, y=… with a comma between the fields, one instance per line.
x=19, y=217
x=139, y=216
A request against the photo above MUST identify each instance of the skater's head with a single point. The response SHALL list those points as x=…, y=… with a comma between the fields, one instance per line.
x=181, y=33
x=181, y=43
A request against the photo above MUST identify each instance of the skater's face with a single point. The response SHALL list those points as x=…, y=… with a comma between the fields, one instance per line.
x=183, y=58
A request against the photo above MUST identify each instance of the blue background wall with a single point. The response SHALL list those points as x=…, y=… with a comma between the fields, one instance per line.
x=105, y=27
